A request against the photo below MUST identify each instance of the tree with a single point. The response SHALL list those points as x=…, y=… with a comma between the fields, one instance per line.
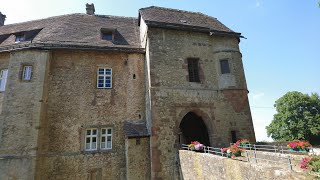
x=297, y=118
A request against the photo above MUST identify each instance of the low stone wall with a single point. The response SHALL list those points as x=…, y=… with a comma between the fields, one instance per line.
x=207, y=166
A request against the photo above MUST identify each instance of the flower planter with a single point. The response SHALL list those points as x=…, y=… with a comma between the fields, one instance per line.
x=245, y=146
x=298, y=150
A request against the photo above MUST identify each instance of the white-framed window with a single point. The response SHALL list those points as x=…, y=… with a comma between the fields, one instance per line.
x=91, y=139
x=26, y=73
x=3, y=79
x=104, y=78
x=106, y=138
x=98, y=139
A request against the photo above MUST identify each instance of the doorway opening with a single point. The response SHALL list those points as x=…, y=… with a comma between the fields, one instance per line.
x=194, y=129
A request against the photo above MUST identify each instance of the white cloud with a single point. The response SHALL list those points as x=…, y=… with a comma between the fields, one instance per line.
x=258, y=3
x=258, y=95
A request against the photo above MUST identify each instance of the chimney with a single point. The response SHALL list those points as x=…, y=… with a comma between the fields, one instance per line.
x=2, y=19
x=90, y=9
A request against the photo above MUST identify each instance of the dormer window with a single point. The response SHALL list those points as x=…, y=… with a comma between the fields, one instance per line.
x=20, y=38
x=107, y=34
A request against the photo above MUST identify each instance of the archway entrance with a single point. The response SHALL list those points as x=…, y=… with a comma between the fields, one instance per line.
x=194, y=129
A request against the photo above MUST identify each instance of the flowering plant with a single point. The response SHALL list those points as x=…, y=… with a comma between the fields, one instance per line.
x=242, y=142
x=195, y=145
x=232, y=151
x=304, y=163
x=312, y=164
x=299, y=145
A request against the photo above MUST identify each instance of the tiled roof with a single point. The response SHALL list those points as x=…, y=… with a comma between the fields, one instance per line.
x=80, y=30
x=169, y=18
x=135, y=129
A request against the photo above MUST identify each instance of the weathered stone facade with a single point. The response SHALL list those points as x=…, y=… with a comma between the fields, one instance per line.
x=221, y=100
x=43, y=121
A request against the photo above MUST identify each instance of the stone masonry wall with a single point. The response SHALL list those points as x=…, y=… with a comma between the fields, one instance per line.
x=22, y=113
x=138, y=158
x=206, y=166
x=4, y=64
x=220, y=99
x=75, y=103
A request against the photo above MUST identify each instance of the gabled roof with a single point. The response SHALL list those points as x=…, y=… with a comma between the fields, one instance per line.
x=134, y=129
x=75, y=30
x=178, y=19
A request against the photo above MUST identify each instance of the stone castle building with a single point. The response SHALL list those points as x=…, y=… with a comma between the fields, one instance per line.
x=86, y=96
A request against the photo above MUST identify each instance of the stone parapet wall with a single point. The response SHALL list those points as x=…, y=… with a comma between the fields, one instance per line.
x=206, y=166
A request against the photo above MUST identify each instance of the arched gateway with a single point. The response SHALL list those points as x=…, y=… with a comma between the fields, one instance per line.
x=194, y=129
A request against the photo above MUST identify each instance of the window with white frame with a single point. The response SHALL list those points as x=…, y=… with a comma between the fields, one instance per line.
x=26, y=73
x=106, y=138
x=98, y=139
x=104, y=78
x=3, y=79
x=91, y=139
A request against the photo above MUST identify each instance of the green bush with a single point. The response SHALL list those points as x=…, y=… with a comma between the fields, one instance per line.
x=314, y=164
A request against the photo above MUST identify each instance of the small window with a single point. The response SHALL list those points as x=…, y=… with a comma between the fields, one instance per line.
x=20, y=38
x=106, y=138
x=108, y=36
x=91, y=139
x=193, y=69
x=104, y=78
x=234, y=136
x=224, y=65
x=26, y=73
x=138, y=141
x=3, y=79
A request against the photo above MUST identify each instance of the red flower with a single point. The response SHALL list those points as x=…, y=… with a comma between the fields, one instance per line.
x=195, y=142
x=304, y=163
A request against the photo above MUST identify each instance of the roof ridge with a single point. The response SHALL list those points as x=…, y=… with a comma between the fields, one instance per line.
x=178, y=10
x=51, y=17
x=102, y=15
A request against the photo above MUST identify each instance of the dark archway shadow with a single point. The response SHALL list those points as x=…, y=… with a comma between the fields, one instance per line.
x=194, y=129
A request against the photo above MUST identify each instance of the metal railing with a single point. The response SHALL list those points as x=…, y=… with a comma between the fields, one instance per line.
x=274, y=148
x=251, y=154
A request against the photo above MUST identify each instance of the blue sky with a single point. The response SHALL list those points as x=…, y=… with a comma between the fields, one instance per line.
x=281, y=52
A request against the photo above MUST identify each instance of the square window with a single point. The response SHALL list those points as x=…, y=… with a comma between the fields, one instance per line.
x=224, y=65
x=26, y=73
x=20, y=38
x=108, y=36
x=98, y=139
x=104, y=78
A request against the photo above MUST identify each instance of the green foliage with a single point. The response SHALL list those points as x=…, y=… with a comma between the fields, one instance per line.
x=297, y=117
x=314, y=164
